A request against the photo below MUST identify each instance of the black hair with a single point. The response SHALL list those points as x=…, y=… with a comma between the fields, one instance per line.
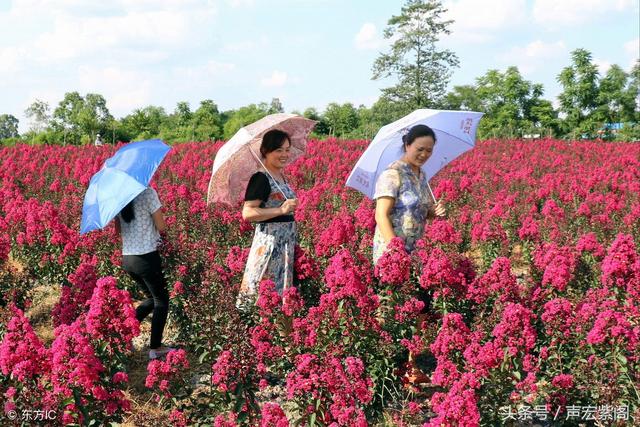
x=273, y=140
x=416, y=132
x=127, y=213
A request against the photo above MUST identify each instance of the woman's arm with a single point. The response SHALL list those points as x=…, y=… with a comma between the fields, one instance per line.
x=383, y=211
x=117, y=224
x=158, y=221
x=251, y=210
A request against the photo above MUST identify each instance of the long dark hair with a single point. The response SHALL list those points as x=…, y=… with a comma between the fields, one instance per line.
x=127, y=213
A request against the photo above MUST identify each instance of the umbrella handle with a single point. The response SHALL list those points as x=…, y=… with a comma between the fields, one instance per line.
x=435, y=202
x=267, y=170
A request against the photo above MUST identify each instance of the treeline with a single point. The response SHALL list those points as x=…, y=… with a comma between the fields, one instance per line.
x=590, y=106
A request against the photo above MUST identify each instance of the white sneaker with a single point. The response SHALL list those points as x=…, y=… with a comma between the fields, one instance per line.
x=155, y=353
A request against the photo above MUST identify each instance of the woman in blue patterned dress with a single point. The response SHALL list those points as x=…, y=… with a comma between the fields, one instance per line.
x=270, y=203
x=403, y=200
x=404, y=203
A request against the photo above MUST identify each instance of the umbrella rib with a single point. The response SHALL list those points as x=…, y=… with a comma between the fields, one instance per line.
x=451, y=135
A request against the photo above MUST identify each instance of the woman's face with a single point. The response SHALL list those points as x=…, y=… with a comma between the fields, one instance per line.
x=419, y=151
x=278, y=158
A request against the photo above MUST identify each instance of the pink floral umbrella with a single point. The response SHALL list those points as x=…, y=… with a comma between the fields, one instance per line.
x=239, y=158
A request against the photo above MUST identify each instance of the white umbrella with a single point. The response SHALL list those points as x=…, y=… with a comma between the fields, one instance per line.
x=455, y=133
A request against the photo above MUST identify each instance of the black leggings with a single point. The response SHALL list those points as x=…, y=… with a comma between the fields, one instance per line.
x=146, y=270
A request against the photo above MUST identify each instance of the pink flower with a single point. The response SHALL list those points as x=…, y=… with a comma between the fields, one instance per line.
x=564, y=381
x=22, y=354
x=273, y=416
x=394, y=266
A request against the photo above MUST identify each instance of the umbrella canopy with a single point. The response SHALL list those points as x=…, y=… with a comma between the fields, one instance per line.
x=455, y=133
x=122, y=177
x=239, y=158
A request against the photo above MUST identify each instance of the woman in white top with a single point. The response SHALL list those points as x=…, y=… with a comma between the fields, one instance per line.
x=140, y=224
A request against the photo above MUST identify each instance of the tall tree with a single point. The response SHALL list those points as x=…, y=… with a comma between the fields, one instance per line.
x=94, y=116
x=421, y=69
x=321, y=127
x=275, y=106
x=613, y=102
x=512, y=105
x=341, y=119
x=38, y=113
x=579, y=95
x=463, y=97
x=144, y=123
x=8, y=126
x=207, y=122
x=81, y=117
x=244, y=116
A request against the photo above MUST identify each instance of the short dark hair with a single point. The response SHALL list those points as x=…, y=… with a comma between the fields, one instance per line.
x=416, y=132
x=273, y=140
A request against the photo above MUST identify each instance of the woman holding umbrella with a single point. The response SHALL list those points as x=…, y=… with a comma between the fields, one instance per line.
x=403, y=198
x=403, y=204
x=120, y=189
x=140, y=224
x=270, y=203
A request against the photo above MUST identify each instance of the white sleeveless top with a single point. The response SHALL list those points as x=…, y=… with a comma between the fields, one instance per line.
x=140, y=236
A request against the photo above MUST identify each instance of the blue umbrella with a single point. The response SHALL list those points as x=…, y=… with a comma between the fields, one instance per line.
x=124, y=175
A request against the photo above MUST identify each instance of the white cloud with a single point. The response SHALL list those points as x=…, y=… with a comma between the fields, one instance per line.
x=277, y=79
x=571, y=12
x=534, y=55
x=479, y=22
x=603, y=65
x=124, y=89
x=72, y=29
x=211, y=69
x=241, y=3
x=632, y=48
x=367, y=37
x=246, y=45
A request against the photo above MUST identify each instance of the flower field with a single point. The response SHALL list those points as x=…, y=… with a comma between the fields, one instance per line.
x=534, y=273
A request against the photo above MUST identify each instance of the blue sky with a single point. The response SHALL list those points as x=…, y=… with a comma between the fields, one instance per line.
x=305, y=52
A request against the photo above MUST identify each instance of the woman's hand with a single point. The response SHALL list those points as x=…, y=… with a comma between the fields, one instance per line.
x=289, y=206
x=439, y=209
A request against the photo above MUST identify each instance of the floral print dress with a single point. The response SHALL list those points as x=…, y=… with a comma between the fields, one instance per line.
x=272, y=252
x=413, y=203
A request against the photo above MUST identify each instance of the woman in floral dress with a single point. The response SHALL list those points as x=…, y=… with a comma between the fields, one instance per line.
x=270, y=203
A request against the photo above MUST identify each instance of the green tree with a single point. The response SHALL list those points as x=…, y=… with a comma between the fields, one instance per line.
x=207, y=123
x=94, y=116
x=38, y=113
x=422, y=70
x=463, y=97
x=143, y=123
x=512, y=105
x=243, y=117
x=341, y=119
x=8, y=126
x=579, y=97
x=65, y=117
x=80, y=117
x=275, y=106
x=321, y=128
x=615, y=102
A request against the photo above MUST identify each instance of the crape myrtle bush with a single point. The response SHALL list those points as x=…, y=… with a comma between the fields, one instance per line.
x=534, y=275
